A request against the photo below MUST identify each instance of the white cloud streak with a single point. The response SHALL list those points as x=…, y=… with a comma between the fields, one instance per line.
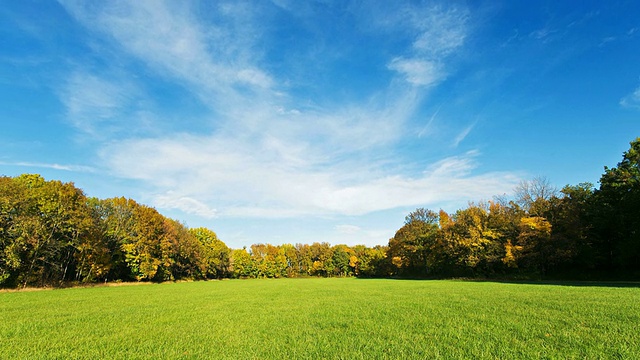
x=440, y=32
x=72, y=168
x=462, y=135
x=213, y=61
x=632, y=100
x=95, y=104
x=171, y=200
x=251, y=182
x=418, y=72
x=265, y=158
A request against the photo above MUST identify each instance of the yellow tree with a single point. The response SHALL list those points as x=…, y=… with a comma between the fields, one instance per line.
x=143, y=251
x=322, y=258
x=50, y=227
x=242, y=265
x=292, y=260
x=470, y=244
x=504, y=221
x=305, y=261
x=215, y=255
x=534, y=238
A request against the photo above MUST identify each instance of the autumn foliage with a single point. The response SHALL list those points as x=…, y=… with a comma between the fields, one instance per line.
x=51, y=233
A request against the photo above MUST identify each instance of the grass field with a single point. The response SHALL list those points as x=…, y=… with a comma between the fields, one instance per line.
x=322, y=319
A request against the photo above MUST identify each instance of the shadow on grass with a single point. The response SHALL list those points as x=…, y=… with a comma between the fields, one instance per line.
x=575, y=283
x=617, y=284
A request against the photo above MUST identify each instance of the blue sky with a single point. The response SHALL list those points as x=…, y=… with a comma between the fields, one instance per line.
x=300, y=121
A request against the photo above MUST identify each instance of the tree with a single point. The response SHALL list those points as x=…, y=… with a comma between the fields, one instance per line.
x=277, y=260
x=371, y=262
x=292, y=259
x=241, y=264
x=422, y=216
x=51, y=233
x=215, y=256
x=471, y=245
x=571, y=237
x=143, y=250
x=53, y=223
x=534, y=238
x=504, y=221
x=534, y=195
x=617, y=222
x=93, y=255
x=115, y=222
x=342, y=260
x=47, y=233
x=12, y=246
x=305, y=261
x=411, y=247
x=322, y=259
x=182, y=253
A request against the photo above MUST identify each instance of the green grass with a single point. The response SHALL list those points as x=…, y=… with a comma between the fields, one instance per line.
x=322, y=318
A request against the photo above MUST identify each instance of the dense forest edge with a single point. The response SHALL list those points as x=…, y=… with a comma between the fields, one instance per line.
x=52, y=234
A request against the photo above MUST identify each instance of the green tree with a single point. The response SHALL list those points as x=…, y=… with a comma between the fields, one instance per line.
x=343, y=264
x=371, y=262
x=115, y=222
x=12, y=246
x=570, y=216
x=413, y=248
x=322, y=259
x=305, y=261
x=54, y=223
x=182, y=253
x=215, y=255
x=47, y=233
x=617, y=221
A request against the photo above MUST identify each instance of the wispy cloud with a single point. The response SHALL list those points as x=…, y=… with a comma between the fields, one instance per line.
x=255, y=180
x=607, y=40
x=439, y=32
x=442, y=30
x=63, y=167
x=265, y=156
x=94, y=104
x=632, y=100
x=428, y=127
x=171, y=200
x=418, y=72
x=215, y=61
x=462, y=135
x=348, y=229
x=543, y=34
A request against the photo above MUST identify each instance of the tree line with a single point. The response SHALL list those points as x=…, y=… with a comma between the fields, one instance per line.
x=579, y=232
x=51, y=233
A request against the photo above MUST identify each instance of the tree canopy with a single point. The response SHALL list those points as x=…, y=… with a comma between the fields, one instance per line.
x=52, y=233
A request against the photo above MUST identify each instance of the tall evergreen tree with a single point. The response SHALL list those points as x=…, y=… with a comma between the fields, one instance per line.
x=618, y=213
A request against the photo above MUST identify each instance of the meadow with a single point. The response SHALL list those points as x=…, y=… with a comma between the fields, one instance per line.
x=318, y=318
